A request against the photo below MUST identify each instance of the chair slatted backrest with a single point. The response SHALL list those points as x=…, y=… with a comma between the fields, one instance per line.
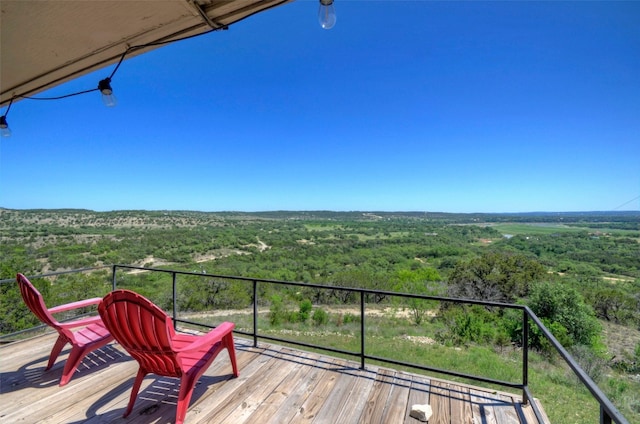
x=34, y=301
x=143, y=329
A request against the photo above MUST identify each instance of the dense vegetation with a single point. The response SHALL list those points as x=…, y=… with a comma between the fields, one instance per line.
x=580, y=273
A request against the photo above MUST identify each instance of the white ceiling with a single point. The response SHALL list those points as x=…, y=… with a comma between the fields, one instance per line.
x=47, y=42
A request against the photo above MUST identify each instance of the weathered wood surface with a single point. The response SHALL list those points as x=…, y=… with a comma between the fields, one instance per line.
x=276, y=385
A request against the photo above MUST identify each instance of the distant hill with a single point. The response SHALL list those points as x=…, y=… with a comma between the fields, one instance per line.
x=578, y=216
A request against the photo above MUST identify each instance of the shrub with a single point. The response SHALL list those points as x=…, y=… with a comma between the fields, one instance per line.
x=591, y=363
x=277, y=311
x=472, y=324
x=305, y=310
x=320, y=316
x=562, y=309
x=349, y=318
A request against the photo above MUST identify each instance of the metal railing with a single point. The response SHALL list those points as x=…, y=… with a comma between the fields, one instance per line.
x=608, y=412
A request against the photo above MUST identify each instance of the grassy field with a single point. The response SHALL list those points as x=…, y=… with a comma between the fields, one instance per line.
x=532, y=229
x=536, y=229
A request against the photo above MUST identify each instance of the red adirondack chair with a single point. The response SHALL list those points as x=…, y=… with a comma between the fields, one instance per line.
x=147, y=333
x=93, y=334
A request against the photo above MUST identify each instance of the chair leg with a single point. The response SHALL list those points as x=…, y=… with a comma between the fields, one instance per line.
x=187, y=383
x=57, y=348
x=134, y=391
x=231, y=348
x=73, y=361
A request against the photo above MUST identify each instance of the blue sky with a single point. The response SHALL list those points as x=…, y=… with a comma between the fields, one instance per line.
x=402, y=106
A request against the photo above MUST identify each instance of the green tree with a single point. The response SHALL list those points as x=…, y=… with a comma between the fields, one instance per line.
x=424, y=281
x=613, y=304
x=501, y=277
x=472, y=323
x=563, y=307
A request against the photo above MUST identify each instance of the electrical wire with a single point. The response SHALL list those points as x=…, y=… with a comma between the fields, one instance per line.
x=122, y=57
x=626, y=203
x=56, y=98
x=137, y=47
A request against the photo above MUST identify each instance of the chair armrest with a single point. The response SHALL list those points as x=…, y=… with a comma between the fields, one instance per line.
x=75, y=305
x=210, y=338
x=81, y=322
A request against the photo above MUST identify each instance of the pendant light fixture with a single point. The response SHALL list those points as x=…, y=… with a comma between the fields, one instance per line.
x=327, y=14
x=107, y=92
x=5, y=131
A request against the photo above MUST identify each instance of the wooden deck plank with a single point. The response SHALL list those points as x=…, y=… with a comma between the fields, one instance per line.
x=338, y=400
x=482, y=408
x=27, y=379
x=232, y=392
x=418, y=395
x=157, y=399
x=16, y=352
x=505, y=410
x=374, y=409
x=398, y=400
x=284, y=391
x=276, y=385
x=316, y=399
x=460, y=405
x=440, y=401
x=217, y=376
x=545, y=418
x=32, y=405
x=30, y=381
x=263, y=386
x=293, y=404
x=353, y=405
x=261, y=381
x=102, y=405
x=22, y=367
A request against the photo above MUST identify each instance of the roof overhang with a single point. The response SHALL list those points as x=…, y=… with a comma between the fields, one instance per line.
x=48, y=42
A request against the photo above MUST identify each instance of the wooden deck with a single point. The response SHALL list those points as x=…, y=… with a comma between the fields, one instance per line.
x=276, y=385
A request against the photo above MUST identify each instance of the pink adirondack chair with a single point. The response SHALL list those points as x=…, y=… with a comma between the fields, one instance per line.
x=93, y=334
x=147, y=333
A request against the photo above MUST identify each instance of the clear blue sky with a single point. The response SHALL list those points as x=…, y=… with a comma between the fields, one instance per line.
x=402, y=106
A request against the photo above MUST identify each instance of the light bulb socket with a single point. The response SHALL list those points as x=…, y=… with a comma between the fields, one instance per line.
x=326, y=2
x=105, y=87
x=108, y=98
x=5, y=131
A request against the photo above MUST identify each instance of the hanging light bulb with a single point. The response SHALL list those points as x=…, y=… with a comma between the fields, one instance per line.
x=327, y=14
x=5, y=131
x=107, y=93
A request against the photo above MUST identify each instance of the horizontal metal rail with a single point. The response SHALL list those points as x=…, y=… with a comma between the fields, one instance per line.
x=54, y=274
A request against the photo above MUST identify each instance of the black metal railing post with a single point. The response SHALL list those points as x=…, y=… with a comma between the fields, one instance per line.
x=604, y=417
x=255, y=313
x=113, y=277
x=362, y=330
x=525, y=356
x=175, y=302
